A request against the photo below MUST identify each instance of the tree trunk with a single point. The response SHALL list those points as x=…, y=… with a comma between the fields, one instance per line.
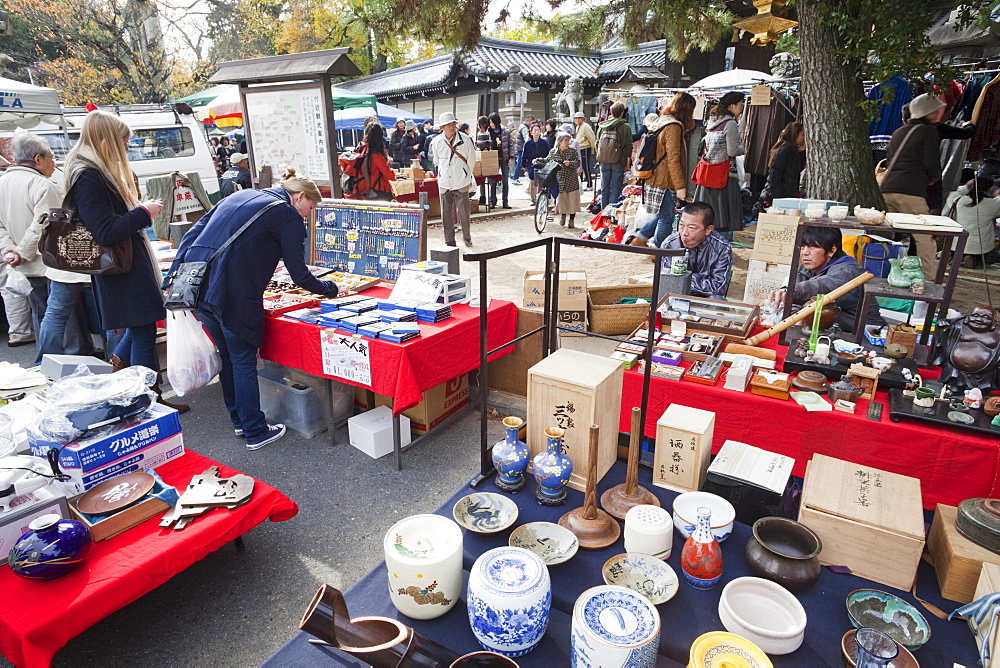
x=838, y=152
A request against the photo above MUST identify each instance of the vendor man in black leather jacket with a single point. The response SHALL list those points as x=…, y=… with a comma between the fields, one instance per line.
x=825, y=267
x=710, y=257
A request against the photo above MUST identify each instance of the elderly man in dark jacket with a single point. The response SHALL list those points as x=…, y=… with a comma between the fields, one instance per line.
x=824, y=268
x=230, y=302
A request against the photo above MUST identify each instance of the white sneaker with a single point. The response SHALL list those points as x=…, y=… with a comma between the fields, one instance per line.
x=274, y=432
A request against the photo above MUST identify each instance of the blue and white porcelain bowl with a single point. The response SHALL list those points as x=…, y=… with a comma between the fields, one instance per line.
x=508, y=600
x=485, y=512
x=644, y=573
x=614, y=626
x=686, y=513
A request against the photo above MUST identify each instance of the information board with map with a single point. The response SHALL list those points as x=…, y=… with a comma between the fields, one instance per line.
x=287, y=127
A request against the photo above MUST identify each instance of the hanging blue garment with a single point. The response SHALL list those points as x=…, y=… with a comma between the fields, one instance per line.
x=638, y=107
x=890, y=116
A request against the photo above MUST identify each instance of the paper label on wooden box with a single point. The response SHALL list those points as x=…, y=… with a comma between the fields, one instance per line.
x=774, y=239
x=864, y=494
x=763, y=279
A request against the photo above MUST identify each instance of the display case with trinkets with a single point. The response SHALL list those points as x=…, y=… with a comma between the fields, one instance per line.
x=710, y=315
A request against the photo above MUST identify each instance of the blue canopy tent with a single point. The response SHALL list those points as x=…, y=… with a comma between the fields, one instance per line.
x=351, y=122
x=354, y=119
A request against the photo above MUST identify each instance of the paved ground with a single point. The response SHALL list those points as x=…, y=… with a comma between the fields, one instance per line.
x=236, y=608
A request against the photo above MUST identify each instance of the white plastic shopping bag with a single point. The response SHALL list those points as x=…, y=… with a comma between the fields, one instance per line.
x=192, y=359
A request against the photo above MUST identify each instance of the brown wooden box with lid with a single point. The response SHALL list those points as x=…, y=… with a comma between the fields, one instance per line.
x=869, y=520
x=770, y=384
x=573, y=390
x=957, y=560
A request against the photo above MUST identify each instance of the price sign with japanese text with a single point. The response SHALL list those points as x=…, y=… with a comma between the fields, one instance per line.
x=345, y=356
x=417, y=286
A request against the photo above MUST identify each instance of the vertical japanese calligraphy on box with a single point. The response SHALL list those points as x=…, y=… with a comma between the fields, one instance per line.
x=345, y=356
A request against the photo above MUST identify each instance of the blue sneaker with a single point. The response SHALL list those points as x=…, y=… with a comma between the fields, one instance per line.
x=273, y=433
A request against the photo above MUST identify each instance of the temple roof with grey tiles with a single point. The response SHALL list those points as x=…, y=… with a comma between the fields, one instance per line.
x=492, y=58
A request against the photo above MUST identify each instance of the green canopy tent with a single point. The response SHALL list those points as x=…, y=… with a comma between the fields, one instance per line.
x=223, y=100
x=206, y=96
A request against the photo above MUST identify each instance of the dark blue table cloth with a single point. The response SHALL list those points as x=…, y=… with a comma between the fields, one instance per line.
x=683, y=618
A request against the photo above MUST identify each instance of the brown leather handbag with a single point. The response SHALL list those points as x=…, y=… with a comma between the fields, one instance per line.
x=68, y=245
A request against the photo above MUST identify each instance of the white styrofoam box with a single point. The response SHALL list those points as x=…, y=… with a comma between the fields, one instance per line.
x=55, y=367
x=26, y=508
x=371, y=432
x=150, y=457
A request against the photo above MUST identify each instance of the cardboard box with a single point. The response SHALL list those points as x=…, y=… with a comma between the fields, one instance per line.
x=371, y=432
x=487, y=163
x=573, y=390
x=403, y=187
x=438, y=404
x=575, y=319
x=112, y=525
x=150, y=457
x=572, y=289
x=774, y=238
x=413, y=173
x=869, y=520
x=95, y=452
x=24, y=509
x=989, y=583
x=683, y=447
x=957, y=560
x=763, y=279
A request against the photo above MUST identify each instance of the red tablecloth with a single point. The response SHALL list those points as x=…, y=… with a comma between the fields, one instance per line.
x=38, y=618
x=952, y=464
x=443, y=351
x=431, y=188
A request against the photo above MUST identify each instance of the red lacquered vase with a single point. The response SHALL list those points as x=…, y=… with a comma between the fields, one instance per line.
x=701, y=558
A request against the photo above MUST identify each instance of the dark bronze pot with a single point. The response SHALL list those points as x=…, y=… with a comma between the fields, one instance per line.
x=829, y=315
x=784, y=551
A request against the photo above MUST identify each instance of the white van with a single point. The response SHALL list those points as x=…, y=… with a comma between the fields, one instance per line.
x=163, y=141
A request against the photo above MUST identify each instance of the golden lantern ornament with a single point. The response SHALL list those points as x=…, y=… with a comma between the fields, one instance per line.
x=766, y=25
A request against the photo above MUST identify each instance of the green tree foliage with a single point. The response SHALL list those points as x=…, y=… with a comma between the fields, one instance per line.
x=241, y=29
x=100, y=51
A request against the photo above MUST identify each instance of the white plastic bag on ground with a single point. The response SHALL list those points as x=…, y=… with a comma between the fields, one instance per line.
x=192, y=358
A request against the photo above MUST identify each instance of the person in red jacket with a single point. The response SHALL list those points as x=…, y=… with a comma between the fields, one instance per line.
x=374, y=173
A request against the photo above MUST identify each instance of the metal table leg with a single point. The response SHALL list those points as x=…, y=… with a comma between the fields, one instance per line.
x=396, y=446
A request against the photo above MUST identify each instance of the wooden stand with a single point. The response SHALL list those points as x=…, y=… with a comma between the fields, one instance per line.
x=621, y=498
x=594, y=528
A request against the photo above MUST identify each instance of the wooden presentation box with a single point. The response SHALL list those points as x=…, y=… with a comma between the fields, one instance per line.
x=869, y=520
x=989, y=583
x=957, y=560
x=710, y=315
x=124, y=519
x=770, y=384
x=573, y=390
x=683, y=447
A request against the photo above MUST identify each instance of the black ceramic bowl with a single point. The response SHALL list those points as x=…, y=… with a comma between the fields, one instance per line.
x=784, y=551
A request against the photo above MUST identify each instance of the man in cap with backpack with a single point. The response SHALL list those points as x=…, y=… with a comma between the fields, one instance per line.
x=614, y=149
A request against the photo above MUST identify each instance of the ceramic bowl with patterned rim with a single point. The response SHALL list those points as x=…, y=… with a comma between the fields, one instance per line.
x=642, y=573
x=553, y=543
x=485, y=512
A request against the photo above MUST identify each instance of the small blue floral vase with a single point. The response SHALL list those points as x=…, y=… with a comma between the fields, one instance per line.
x=50, y=549
x=510, y=457
x=552, y=469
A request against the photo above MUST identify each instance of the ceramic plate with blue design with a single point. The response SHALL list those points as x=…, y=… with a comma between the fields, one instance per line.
x=485, y=512
x=619, y=616
x=642, y=573
x=553, y=543
x=512, y=571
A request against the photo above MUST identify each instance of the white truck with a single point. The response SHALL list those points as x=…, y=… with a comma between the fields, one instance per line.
x=163, y=141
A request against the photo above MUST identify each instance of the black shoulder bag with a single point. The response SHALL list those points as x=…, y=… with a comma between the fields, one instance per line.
x=184, y=283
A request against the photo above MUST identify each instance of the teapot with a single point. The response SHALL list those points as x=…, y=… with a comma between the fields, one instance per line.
x=846, y=390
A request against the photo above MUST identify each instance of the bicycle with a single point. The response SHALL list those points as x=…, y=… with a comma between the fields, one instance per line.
x=545, y=178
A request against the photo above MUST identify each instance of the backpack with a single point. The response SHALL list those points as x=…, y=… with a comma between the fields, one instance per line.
x=609, y=146
x=646, y=162
x=352, y=182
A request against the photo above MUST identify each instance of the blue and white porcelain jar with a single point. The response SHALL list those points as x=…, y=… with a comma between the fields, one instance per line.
x=614, y=626
x=508, y=600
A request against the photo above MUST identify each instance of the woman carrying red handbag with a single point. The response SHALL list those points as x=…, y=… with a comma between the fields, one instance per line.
x=714, y=178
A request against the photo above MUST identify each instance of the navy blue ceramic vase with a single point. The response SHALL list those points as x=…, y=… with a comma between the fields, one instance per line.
x=51, y=548
x=510, y=457
x=552, y=469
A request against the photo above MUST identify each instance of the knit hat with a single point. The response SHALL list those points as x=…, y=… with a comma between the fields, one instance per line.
x=923, y=105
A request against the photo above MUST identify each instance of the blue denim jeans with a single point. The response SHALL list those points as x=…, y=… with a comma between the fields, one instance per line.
x=612, y=180
x=63, y=330
x=659, y=226
x=504, y=185
x=138, y=347
x=240, y=390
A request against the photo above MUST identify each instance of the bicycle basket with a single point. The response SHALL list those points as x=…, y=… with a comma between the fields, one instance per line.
x=545, y=176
